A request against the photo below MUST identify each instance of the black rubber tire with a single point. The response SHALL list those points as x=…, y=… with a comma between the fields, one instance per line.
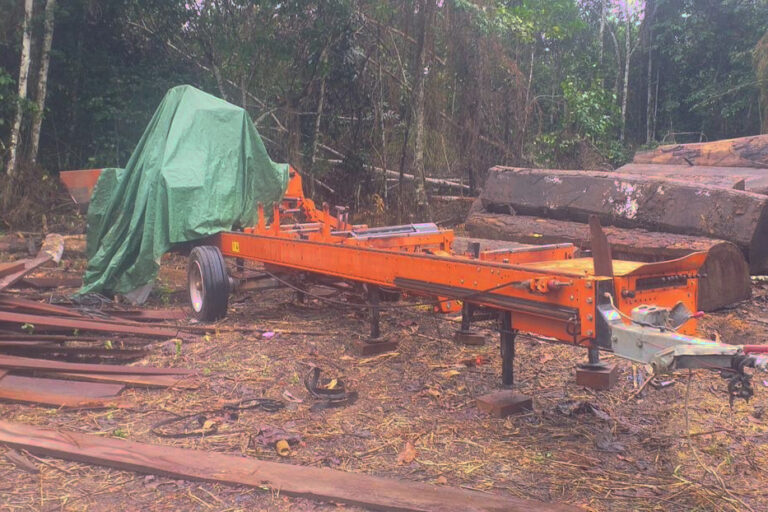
x=212, y=285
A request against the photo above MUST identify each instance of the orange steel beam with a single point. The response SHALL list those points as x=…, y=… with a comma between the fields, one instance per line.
x=550, y=292
x=555, y=298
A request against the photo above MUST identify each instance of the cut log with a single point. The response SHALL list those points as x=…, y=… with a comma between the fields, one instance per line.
x=620, y=200
x=727, y=274
x=737, y=178
x=741, y=152
x=325, y=484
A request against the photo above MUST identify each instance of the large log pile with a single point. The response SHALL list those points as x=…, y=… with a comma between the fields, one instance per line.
x=648, y=218
x=651, y=203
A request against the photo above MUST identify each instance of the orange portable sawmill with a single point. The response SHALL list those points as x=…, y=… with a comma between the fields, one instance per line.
x=644, y=312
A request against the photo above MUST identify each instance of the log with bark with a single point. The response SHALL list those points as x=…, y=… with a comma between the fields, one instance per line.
x=726, y=272
x=741, y=152
x=626, y=201
x=737, y=178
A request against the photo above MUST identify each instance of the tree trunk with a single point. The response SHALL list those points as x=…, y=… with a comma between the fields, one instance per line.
x=741, y=152
x=737, y=178
x=421, y=71
x=15, y=142
x=628, y=54
x=219, y=79
x=617, y=51
x=602, y=32
x=316, y=134
x=649, y=135
x=760, y=57
x=42, y=79
x=527, y=100
x=243, y=92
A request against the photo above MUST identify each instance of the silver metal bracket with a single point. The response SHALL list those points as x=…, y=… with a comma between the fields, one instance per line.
x=664, y=348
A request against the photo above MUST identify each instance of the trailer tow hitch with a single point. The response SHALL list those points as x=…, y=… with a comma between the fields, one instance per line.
x=649, y=338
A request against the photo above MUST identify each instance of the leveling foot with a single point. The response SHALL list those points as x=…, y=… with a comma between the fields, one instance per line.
x=504, y=403
x=599, y=376
x=469, y=338
x=371, y=347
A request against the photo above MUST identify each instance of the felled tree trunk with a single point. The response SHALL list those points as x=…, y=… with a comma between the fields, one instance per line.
x=741, y=152
x=650, y=203
x=738, y=178
x=726, y=273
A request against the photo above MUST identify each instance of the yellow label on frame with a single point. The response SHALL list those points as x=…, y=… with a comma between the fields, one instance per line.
x=235, y=246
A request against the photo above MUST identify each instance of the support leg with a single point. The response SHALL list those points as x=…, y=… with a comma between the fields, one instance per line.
x=505, y=402
x=507, y=350
x=466, y=316
x=374, y=299
x=595, y=374
x=466, y=335
x=375, y=344
x=299, y=296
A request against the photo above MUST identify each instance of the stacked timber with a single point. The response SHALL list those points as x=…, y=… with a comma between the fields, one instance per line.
x=648, y=218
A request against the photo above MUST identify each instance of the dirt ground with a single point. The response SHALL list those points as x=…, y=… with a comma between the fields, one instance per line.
x=609, y=450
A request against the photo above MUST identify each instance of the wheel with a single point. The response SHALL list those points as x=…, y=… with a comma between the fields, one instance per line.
x=208, y=283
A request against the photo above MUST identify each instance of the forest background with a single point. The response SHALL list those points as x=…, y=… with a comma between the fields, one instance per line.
x=362, y=95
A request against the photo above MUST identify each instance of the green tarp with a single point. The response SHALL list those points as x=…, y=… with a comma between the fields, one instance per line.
x=200, y=168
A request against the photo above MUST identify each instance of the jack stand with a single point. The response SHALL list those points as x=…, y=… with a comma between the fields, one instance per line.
x=595, y=374
x=466, y=335
x=506, y=402
x=375, y=344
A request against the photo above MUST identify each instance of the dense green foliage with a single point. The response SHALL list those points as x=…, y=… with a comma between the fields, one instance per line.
x=333, y=84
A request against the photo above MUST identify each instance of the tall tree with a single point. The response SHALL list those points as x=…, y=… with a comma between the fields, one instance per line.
x=420, y=73
x=15, y=141
x=42, y=79
x=632, y=12
x=649, y=110
x=761, y=70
